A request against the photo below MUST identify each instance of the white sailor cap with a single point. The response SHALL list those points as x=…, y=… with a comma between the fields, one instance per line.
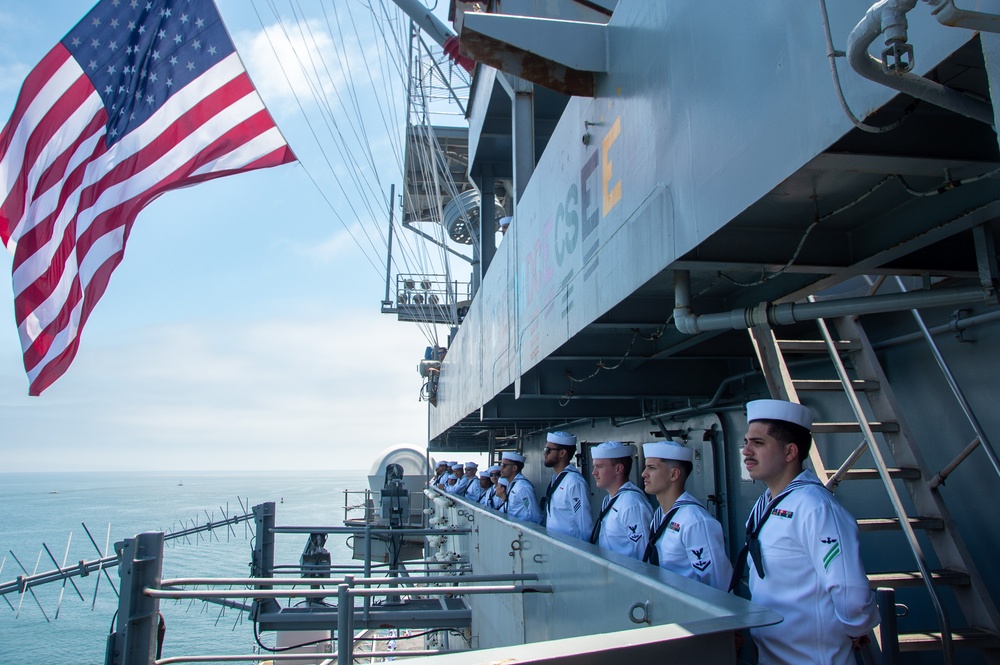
x=612, y=450
x=504, y=482
x=484, y=474
x=667, y=450
x=472, y=465
x=493, y=469
x=513, y=457
x=561, y=439
x=456, y=465
x=505, y=221
x=452, y=476
x=779, y=409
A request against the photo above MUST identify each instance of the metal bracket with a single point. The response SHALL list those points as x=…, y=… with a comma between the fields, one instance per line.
x=643, y=617
x=986, y=258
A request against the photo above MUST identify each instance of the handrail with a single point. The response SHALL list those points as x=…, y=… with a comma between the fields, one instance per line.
x=290, y=657
x=890, y=489
x=182, y=594
x=953, y=384
x=314, y=581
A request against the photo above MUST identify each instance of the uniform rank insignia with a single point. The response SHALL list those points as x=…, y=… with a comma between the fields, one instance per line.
x=700, y=564
x=576, y=505
x=634, y=536
x=778, y=512
x=674, y=526
x=831, y=553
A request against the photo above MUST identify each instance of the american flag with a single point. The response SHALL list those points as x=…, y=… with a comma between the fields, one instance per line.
x=141, y=97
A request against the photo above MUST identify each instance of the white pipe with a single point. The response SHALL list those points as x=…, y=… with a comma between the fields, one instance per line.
x=770, y=314
x=890, y=15
x=425, y=19
x=948, y=14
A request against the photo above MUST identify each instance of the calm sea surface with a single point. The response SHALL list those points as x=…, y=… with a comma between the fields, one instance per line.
x=37, y=508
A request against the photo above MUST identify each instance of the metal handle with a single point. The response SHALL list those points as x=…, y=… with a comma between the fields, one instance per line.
x=644, y=618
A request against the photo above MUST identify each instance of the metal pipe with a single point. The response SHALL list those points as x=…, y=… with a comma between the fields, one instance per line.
x=771, y=315
x=290, y=657
x=312, y=581
x=953, y=384
x=352, y=529
x=948, y=14
x=886, y=599
x=176, y=594
x=426, y=21
x=368, y=564
x=891, y=13
x=955, y=326
x=943, y=474
x=345, y=637
x=386, y=302
x=848, y=464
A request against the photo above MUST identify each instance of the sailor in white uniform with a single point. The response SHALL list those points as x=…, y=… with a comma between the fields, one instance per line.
x=684, y=537
x=439, y=474
x=489, y=498
x=517, y=496
x=803, y=547
x=566, y=507
x=458, y=473
x=623, y=523
x=467, y=479
x=478, y=487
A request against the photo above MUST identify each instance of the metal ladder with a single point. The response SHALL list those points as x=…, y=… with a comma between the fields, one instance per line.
x=896, y=458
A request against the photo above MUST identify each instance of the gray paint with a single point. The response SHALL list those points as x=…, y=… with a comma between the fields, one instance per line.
x=593, y=589
x=674, y=126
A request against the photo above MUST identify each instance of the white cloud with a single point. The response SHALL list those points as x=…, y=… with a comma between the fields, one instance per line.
x=270, y=395
x=292, y=60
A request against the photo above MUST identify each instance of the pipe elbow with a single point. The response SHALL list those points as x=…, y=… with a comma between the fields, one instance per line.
x=686, y=320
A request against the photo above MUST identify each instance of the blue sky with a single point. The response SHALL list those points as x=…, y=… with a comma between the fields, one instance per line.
x=242, y=329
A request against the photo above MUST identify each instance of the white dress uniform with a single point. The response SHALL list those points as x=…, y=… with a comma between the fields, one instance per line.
x=489, y=498
x=814, y=578
x=623, y=528
x=521, y=500
x=475, y=492
x=460, y=487
x=692, y=544
x=568, y=511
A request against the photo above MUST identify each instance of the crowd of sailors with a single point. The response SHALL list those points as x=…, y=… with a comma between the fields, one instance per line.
x=804, y=554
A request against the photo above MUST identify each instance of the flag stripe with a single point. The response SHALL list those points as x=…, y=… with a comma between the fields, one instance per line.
x=88, y=146
x=47, y=82
x=153, y=182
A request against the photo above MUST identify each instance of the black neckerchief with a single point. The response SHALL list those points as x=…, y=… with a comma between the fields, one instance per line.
x=758, y=517
x=503, y=506
x=651, y=555
x=596, y=531
x=553, y=485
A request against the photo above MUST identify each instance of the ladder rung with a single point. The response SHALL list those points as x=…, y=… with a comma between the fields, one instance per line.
x=816, y=345
x=901, y=473
x=833, y=384
x=891, y=523
x=914, y=578
x=971, y=638
x=847, y=428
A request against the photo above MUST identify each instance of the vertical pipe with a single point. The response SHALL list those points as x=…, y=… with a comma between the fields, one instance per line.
x=138, y=614
x=368, y=565
x=388, y=254
x=487, y=220
x=523, y=118
x=345, y=636
x=886, y=599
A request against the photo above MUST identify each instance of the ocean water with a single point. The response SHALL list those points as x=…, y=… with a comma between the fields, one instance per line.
x=37, y=508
